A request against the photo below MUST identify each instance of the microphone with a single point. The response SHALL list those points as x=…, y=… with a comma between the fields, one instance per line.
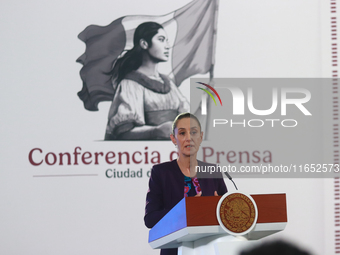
x=229, y=177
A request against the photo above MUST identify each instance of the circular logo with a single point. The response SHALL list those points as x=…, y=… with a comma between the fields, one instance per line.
x=237, y=213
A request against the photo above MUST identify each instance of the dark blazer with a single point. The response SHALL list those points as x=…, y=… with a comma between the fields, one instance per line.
x=166, y=189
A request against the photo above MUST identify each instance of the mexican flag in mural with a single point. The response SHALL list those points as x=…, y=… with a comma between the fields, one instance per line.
x=191, y=31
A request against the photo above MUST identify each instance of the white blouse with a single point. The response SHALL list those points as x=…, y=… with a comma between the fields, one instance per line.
x=134, y=104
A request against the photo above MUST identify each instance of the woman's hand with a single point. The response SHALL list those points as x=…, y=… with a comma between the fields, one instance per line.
x=163, y=131
x=200, y=194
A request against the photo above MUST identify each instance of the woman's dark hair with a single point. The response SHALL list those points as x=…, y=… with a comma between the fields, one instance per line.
x=132, y=59
x=183, y=116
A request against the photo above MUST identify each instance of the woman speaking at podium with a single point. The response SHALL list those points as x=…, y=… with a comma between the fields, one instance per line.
x=171, y=181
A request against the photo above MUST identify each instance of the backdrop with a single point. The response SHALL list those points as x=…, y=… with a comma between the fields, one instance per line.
x=91, y=199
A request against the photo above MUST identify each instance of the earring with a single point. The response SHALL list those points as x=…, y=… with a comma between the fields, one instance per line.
x=175, y=145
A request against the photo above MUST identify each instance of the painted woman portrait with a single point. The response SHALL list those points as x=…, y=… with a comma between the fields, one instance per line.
x=121, y=65
x=145, y=102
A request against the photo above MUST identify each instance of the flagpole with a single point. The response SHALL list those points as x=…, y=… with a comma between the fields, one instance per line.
x=211, y=71
x=214, y=40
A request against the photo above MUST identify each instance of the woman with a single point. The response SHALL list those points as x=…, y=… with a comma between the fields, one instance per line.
x=145, y=101
x=171, y=181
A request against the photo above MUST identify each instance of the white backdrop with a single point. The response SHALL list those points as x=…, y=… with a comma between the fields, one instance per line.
x=40, y=109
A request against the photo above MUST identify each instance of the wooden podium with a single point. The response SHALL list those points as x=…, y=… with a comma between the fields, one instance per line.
x=193, y=227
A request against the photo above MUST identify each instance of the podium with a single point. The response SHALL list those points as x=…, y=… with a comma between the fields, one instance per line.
x=192, y=226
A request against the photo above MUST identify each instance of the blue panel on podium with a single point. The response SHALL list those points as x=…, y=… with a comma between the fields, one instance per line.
x=175, y=220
